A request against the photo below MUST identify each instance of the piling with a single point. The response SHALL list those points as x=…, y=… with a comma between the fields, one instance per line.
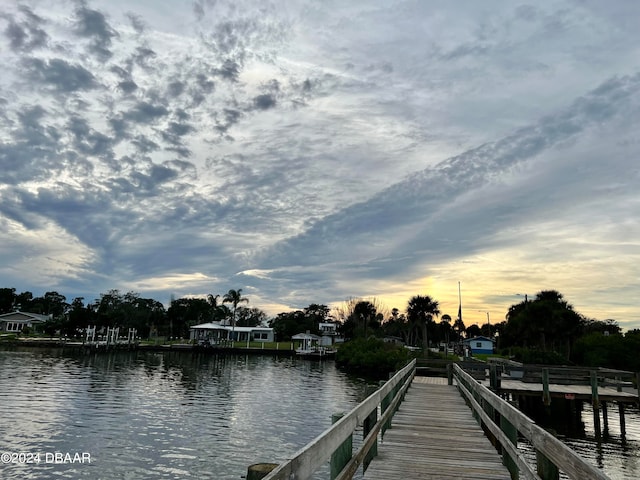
x=623, y=426
x=546, y=396
x=343, y=453
x=258, y=471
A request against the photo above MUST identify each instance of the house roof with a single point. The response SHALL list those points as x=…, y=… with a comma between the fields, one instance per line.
x=305, y=336
x=23, y=317
x=208, y=326
x=476, y=339
x=218, y=326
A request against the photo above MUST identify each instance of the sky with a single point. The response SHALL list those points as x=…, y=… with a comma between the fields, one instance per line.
x=312, y=152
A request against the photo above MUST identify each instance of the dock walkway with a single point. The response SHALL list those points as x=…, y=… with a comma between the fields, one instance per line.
x=434, y=436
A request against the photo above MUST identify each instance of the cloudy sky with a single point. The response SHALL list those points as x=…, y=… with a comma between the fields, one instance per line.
x=311, y=152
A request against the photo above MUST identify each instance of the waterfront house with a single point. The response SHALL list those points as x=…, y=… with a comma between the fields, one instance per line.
x=253, y=334
x=480, y=345
x=214, y=333
x=15, y=322
x=329, y=334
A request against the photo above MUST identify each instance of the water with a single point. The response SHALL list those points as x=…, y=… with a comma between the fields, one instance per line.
x=616, y=455
x=181, y=415
x=143, y=415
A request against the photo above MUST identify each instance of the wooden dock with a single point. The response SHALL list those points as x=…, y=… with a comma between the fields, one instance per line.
x=434, y=436
x=433, y=428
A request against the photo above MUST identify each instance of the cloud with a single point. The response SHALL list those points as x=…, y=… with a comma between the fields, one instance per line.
x=24, y=30
x=59, y=74
x=93, y=24
x=322, y=150
x=265, y=101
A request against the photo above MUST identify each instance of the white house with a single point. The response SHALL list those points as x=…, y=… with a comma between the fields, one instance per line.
x=214, y=333
x=480, y=345
x=211, y=332
x=329, y=334
x=14, y=322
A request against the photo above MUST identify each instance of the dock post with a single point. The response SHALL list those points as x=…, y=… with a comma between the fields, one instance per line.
x=546, y=396
x=494, y=378
x=449, y=373
x=512, y=434
x=623, y=426
x=594, y=390
x=343, y=453
x=605, y=419
x=367, y=425
x=384, y=404
x=260, y=470
x=595, y=401
x=547, y=470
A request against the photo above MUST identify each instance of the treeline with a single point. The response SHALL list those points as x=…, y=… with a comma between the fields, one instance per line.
x=544, y=329
x=130, y=310
x=547, y=329
x=355, y=318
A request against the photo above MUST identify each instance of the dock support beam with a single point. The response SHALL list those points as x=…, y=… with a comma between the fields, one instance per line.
x=595, y=401
x=547, y=470
x=343, y=453
x=623, y=426
x=546, y=396
x=367, y=426
x=605, y=419
x=512, y=434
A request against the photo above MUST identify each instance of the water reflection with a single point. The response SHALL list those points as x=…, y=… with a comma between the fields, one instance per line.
x=164, y=415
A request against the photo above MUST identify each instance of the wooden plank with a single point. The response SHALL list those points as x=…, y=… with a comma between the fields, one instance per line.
x=434, y=435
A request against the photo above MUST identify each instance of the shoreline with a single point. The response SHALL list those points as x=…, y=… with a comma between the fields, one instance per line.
x=176, y=347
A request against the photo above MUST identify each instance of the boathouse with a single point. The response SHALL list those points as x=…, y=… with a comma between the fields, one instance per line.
x=15, y=322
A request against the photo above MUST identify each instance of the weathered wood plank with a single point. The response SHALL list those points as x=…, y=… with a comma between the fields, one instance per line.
x=434, y=435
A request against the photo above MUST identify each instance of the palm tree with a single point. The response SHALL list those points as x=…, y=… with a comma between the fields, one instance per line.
x=212, y=300
x=234, y=297
x=420, y=311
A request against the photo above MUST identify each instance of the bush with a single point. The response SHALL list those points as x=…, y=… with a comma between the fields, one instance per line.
x=372, y=357
x=540, y=357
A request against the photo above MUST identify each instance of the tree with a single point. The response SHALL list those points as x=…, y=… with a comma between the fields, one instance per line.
x=421, y=310
x=7, y=300
x=184, y=313
x=318, y=313
x=364, y=320
x=473, y=331
x=459, y=327
x=395, y=325
x=287, y=324
x=234, y=297
x=250, y=317
x=547, y=323
x=78, y=317
x=445, y=329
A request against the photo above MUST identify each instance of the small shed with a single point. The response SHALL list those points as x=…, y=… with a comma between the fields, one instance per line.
x=480, y=345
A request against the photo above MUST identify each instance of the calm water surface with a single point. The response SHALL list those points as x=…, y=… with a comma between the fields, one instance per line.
x=175, y=415
x=163, y=415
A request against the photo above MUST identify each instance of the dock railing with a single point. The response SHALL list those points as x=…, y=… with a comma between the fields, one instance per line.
x=505, y=422
x=335, y=443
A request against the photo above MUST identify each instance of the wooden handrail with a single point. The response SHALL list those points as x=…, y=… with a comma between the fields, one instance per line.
x=546, y=445
x=317, y=452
